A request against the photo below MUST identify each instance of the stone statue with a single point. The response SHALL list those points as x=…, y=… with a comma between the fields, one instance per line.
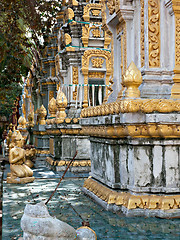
x=37, y=223
x=20, y=173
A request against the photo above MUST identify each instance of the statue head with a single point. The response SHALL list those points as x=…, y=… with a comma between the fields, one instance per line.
x=19, y=139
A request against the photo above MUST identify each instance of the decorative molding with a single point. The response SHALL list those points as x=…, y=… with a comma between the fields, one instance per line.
x=75, y=81
x=88, y=7
x=175, y=91
x=97, y=62
x=154, y=33
x=142, y=34
x=133, y=105
x=130, y=201
x=96, y=74
x=85, y=68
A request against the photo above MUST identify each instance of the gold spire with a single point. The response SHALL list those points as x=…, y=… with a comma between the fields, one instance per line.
x=61, y=102
x=132, y=80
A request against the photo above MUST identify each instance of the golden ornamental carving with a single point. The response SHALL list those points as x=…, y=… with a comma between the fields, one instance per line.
x=75, y=81
x=93, y=53
x=96, y=74
x=132, y=80
x=85, y=35
x=130, y=201
x=96, y=33
x=52, y=107
x=68, y=14
x=95, y=12
x=142, y=33
x=133, y=105
x=111, y=6
x=67, y=39
x=97, y=62
x=42, y=114
x=154, y=32
x=31, y=119
x=61, y=103
x=21, y=122
x=51, y=95
x=88, y=7
x=175, y=91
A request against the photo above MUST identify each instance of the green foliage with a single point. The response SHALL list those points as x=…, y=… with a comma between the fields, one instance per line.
x=24, y=27
x=8, y=95
x=22, y=24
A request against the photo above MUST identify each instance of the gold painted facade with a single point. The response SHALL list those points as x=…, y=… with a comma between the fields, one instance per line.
x=130, y=201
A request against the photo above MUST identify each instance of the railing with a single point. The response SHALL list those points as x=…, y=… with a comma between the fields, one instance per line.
x=75, y=93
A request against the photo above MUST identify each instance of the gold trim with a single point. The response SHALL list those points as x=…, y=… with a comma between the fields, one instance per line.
x=61, y=163
x=151, y=130
x=42, y=151
x=163, y=202
x=88, y=7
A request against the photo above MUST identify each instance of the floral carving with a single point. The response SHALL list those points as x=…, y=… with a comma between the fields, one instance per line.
x=154, y=33
x=75, y=81
x=97, y=62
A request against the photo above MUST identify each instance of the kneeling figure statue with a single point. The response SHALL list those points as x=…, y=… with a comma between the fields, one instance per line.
x=20, y=173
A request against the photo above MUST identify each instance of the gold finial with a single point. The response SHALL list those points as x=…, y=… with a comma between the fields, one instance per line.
x=20, y=122
x=132, y=80
x=42, y=114
x=61, y=102
x=52, y=107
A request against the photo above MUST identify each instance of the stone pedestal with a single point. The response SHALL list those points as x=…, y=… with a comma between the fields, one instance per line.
x=64, y=143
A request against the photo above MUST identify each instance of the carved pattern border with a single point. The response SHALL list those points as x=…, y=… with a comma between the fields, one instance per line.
x=154, y=32
x=142, y=34
x=75, y=81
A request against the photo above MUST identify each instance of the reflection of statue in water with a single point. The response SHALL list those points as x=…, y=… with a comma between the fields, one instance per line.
x=20, y=173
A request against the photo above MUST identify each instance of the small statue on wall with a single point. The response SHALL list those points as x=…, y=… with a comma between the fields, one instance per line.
x=20, y=173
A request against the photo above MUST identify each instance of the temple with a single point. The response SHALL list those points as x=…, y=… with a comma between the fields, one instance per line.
x=109, y=88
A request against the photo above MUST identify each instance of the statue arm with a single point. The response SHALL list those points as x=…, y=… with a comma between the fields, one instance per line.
x=16, y=159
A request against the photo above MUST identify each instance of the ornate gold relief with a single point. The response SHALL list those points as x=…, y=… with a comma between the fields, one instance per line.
x=111, y=6
x=154, y=32
x=85, y=35
x=68, y=14
x=175, y=91
x=97, y=62
x=75, y=81
x=142, y=33
x=96, y=33
x=88, y=7
x=131, y=201
x=67, y=39
x=95, y=12
x=51, y=95
x=85, y=68
x=96, y=75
